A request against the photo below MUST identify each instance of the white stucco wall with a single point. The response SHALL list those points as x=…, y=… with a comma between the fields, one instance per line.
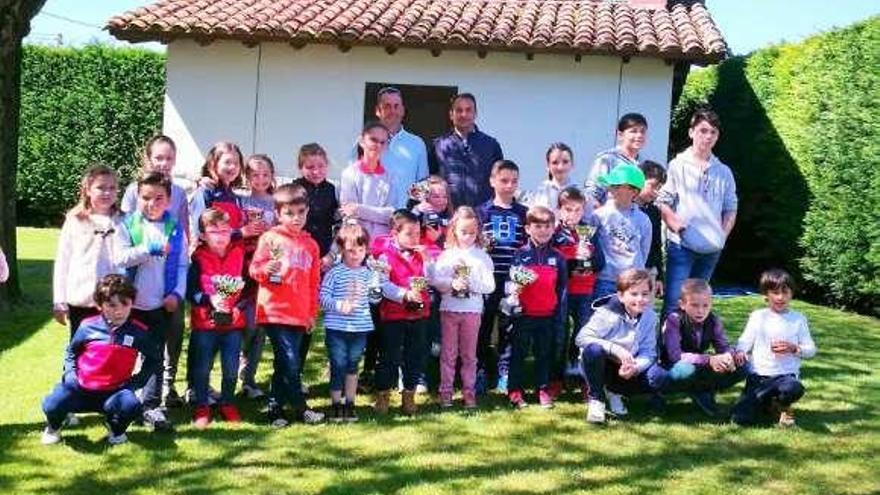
x=273, y=98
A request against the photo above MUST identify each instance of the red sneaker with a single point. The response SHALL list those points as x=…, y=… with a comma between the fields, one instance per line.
x=545, y=398
x=230, y=413
x=554, y=389
x=202, y=417
x=517, y=400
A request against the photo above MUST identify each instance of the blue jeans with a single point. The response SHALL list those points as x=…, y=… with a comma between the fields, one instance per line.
x=286, y=383
x=685, y=377
x=345, y=350
x=601, y=371
x=252, y=341
x=682, y=264
x=206, y=345
x=120, y=407
x=759, y=393
x=537, y=333
x=157, y=320
x=404, y=343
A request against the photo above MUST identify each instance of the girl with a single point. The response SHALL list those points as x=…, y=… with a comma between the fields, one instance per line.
x=463, y=274
x=560, y=162
x=85, y=247
x=259, y=208
x=323, y=201
x=223, y=168
x=365, y=192
x=434, y=212
x=404, y=313
x=632, y=133
x=345, y=299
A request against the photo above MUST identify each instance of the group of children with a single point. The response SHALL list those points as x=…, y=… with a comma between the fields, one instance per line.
x=563, y=278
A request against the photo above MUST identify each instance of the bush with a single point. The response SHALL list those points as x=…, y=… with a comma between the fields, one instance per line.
x=801, y=133
x=81, y=106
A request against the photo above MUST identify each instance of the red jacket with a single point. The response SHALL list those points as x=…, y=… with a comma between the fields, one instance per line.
x=541, y=298
x=403, y=268
x=566, y=240
x=294, y=301
x=199, y=286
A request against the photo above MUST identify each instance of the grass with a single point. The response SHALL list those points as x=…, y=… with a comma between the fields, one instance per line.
x=495, y=450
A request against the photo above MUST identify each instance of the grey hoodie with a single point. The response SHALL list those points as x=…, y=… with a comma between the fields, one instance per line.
x=611, y=326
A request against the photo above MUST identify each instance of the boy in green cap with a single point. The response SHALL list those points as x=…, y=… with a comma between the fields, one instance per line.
x=624, y=230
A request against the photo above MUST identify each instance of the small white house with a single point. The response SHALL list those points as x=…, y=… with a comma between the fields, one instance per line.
x=271, y=76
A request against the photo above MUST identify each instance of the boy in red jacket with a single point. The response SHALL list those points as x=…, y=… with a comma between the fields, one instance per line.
x=214, y=288
x=287, y=267
x=99, y=365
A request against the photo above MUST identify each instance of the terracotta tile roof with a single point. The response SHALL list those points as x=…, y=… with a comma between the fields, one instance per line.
x=677, y=29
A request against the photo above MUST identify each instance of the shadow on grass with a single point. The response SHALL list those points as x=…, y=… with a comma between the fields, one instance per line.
x=27, y=316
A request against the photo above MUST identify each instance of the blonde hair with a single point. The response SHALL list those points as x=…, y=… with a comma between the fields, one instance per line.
x=83, y=207
x=694, y=286
x=436, y=180
x=462, y=214
x=264, y=159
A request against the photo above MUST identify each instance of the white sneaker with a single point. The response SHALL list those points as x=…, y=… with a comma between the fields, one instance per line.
x=117, y=439
x=421, y=388
x=311, y=417
x=71, y=420
x=252, y=392
x=595, y=412
x=50, y=436
x=615, y=404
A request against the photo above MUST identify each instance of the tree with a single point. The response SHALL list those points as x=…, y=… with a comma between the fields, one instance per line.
x=15, y=23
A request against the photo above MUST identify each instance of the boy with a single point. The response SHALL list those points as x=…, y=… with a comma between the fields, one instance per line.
x=99, y=364
x=503, y=220
x=687, y=334
x=776, y=339
x=655, y=177
x=216, y=315
x=153, y=250
x=537, y=326
x=287, y=267
x=583, y=260
x=624, y=230
x=619, y=346
x=632, y=131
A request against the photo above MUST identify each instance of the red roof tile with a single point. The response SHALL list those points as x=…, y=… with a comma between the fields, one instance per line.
x=677, y=29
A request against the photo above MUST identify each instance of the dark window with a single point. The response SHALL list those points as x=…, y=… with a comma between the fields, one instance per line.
x=427, y=107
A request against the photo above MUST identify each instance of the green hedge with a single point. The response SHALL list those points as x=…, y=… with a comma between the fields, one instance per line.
x=81, y=106
x=801, y=131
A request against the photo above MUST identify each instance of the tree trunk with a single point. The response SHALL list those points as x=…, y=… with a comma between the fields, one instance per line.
x=15, y=23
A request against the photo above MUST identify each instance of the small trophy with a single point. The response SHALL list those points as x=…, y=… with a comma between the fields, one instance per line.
x=418, y=191
x=254, y=215
x=379, y=268
x=488, y=241
x=584, y=254
x=520, y=277
x=418, y=285
x=226, y=289
x=461, y=272
x=276, y=253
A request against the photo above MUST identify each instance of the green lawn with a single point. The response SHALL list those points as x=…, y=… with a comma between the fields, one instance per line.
x=496, y=450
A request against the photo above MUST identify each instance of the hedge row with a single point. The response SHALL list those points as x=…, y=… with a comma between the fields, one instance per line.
x=801, y=130
x=80, y=106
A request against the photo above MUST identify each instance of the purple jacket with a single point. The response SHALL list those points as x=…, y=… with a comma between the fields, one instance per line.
x=683, y=340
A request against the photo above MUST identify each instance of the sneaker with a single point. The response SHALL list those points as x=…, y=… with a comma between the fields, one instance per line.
x=470, y=402
x=786, y=418
x=155, y=419
x=50, y=436
x=616, y=405
x=595, y=412
x=421, y=388
x=275, y=415
x=189, y=396
x=445, y=401
x=555, y=389
x=171, y=399
x=517, y=400
x=311, y=417
x=545, y=398
x=70, y=420
x=435, y=349
x=349, y=413
x=337, y=416
x=202, y=417
x=706, y=402
x=117, y=439
x=230, y=413
x=480, y=382
x=252, y=392
x=501, y=386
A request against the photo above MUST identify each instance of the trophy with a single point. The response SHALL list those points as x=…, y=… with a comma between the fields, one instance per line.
x=461, y=272
x=520, y=277
x=379, y=268
x=418, y=191
x=488, y=241
x=418, y=285
x=584, y=253
x=226, y=289
x=254, y=215
x=276, y=253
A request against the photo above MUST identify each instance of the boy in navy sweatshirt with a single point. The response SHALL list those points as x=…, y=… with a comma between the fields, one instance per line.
x=99, y=363
x=541, y=305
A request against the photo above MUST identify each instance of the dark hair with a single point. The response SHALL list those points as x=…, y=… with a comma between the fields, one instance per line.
x=560, y=147
x=706, y=114
x=209, y=169
x=402, y=217
x=148, y=146
x=260, y=157
x=570, y=194
x=310, y=149
x=653, y=170
x=155, y=179
x=387, y=90
x=212, y=216
x=114, y=285
x=540, y=214
x=463, y=96
x=290, y=195
x=374, y=124
x=631, y=120
x=632, y=277
x=775, y=279
x=504, y=165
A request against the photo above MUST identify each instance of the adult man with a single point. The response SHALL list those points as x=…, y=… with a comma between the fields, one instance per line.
x=464, y=156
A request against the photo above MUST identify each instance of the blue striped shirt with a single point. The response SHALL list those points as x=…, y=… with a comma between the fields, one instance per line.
x=506, y=226
x=343, y=283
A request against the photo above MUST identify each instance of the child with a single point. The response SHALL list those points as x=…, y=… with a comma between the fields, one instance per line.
x=687, y=334
x=223, y=169
x=85, y=247
x=619, y=346
x=99, y=365
x=160, y=156
x=583, y=259
x=433, y=213
x=153, y=249
x=655, y=177
x=287, y=268
x=624, y=230
x=464, y=275
x=632, y=130
x=775, y=338
x=216, y=314
x=540, y=300
x=560, y=162
x=259, y=208
x=503, y=220
x=347, y=320
x=365, y=192
x=323, y=198
x=404, y=312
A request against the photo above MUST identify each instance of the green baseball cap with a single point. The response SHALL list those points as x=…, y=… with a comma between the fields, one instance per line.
x=624, y=175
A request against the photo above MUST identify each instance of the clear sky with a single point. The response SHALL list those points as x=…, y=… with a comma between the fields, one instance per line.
x=746, y=24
